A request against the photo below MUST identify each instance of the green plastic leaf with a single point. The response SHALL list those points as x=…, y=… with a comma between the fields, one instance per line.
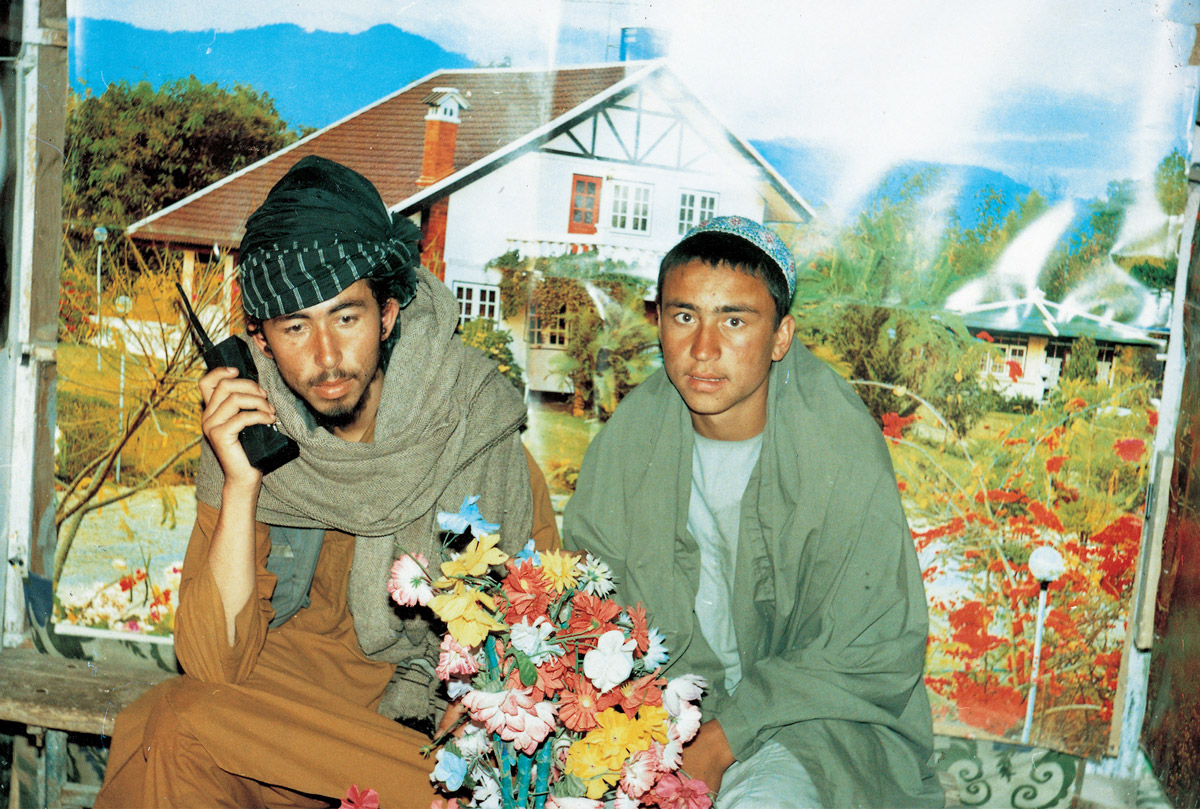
x=526, y=667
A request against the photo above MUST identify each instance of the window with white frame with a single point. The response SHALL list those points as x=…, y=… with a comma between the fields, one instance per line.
x=695, y=208
x=1003, y=352
x=476, y=301
x=546, y=330
x=630, y=207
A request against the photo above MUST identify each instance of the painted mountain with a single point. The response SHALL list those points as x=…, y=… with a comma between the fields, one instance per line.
x=282, y=60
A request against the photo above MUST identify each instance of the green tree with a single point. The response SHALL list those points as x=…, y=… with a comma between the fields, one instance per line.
x=1090, y=247
x=496, y=343
x=1082, y=364
x=1170, y=183
x=134, y=149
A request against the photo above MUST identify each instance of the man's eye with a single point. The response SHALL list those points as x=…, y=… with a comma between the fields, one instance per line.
x=735, y=321
x=683, y=317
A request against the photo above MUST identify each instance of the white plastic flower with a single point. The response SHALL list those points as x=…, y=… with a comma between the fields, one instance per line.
x=596, y=576
x=486, y=793
x=685, y=688
x=408, y=582
x=533, y=640
x=473, y=742
x=611, y=662
x=1046, y=564
x=687, y=723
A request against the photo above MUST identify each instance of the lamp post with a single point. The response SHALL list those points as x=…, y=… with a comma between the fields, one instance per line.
x=100, y=234
x=1046, y=565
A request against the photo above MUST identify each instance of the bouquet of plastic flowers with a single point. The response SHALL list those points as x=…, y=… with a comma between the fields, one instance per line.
x=561, y=685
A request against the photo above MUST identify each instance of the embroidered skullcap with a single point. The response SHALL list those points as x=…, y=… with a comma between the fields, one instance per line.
x=320, y=229
x=758, y=235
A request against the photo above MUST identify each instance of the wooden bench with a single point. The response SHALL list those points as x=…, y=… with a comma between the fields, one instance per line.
x=51, y=697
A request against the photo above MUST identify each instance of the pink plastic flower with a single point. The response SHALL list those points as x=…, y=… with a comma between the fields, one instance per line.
x=670, y=755
x=355, y=799
x=513, y=714
x=409, y=583
x=623, y=801
x=641, y=770
x=455, y=660
x=674, y=792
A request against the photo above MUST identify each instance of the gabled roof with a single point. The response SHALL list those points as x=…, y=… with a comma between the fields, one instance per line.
x=510, y=112
x=384, y=142
x=1033, y=316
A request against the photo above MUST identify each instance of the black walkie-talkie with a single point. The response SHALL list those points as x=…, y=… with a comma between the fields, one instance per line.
x=266, y=448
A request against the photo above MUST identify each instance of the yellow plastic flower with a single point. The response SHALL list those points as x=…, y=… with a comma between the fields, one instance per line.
x=475, y=560
x=652, y=723
x=616, y=737
x=585, y=762
x=463, y=612
x=559, y=569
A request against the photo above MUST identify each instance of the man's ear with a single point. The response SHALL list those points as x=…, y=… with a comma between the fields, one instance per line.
x=391, y=310
x=783, y=338
x=260, y=340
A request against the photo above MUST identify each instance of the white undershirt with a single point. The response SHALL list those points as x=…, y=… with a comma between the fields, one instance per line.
x=720, y=472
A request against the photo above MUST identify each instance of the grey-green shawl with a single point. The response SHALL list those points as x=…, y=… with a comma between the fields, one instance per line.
x=447, y=427
x=828, y=606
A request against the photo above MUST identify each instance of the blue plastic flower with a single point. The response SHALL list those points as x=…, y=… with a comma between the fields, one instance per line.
x=656, y=654
x=450, y=769
x=468, y=516
x=529, y=552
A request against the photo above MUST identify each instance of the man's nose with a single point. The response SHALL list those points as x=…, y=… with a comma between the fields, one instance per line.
x=328, y=351
x=706, y=345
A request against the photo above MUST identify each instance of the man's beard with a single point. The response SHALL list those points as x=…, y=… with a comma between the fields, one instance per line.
x=341, y=416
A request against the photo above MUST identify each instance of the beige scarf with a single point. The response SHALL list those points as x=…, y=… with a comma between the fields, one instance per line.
x=447, y=427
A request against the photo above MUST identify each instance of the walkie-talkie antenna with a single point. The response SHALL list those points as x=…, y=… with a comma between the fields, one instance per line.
x=206, y=344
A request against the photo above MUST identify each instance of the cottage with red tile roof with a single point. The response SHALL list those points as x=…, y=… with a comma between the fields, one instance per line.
x=618, y=159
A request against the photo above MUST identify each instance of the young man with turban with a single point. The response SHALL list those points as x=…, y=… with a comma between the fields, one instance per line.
x=296, y=662
x=745, y=496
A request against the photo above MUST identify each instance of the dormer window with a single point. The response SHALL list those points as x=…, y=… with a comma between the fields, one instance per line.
x=445, y=104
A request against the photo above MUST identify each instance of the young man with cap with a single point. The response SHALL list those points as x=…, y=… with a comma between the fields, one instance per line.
x=745, y=496
x=296, y=662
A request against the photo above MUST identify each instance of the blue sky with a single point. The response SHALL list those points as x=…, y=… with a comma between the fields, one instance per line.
x=1066, y=94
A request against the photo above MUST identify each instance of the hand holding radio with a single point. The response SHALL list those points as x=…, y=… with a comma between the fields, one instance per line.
x=235, y=405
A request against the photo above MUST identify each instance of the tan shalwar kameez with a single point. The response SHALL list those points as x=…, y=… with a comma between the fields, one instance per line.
x=283, y=718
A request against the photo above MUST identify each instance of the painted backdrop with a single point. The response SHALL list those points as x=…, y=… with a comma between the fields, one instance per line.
x=992, y=207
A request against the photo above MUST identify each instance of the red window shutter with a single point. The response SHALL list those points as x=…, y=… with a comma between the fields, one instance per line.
x=585, y=204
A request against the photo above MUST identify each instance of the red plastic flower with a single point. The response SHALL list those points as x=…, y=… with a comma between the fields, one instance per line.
x=642, y=691
x=983, y=335
x=1054, y=464
x=356, y=799
x=1015, y=372
x=579, y=703
x=592, y=615
x=527, y=590
x=641, y=629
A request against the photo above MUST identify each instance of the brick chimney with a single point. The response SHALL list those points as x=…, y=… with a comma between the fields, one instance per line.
x=441, y=134
x=437, y=161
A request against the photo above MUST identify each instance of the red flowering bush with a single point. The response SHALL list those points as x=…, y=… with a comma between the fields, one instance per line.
x=1071, y=476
